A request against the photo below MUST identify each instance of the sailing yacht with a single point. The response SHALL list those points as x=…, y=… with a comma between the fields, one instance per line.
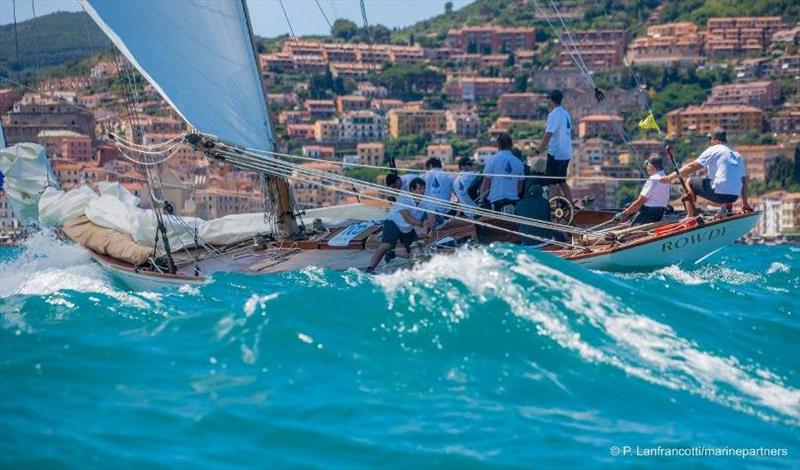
x=200, y=57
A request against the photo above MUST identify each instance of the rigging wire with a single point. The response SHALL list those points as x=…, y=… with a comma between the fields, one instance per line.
x=265, y=166
x=16, y=38
x=288, y=168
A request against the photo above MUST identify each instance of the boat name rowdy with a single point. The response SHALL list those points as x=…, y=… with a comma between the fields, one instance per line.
x=693, y=239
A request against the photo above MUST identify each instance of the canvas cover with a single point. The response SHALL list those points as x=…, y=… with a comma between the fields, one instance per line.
x=106, y=241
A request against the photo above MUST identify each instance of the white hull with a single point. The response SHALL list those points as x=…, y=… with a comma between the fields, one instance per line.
x=144, y=282
x=690, y=246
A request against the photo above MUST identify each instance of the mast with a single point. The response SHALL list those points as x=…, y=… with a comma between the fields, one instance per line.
x=278, y=188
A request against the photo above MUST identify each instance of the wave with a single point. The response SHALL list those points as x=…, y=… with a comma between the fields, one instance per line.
x=468, y=301
x=573, y=307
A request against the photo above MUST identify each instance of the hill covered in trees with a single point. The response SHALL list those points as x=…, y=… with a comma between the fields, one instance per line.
x=49, y=41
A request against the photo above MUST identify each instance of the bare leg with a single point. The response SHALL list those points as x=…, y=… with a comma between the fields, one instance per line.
x=566, y=191
x=690, y=208
x=378, y=254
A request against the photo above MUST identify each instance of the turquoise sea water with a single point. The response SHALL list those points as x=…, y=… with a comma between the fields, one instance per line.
x=499, y=357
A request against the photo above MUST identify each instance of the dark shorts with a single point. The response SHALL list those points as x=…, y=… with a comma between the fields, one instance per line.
x=392, y=233
x=556, y=168
x=647, y=215
x=701, y=187
x=499, y=204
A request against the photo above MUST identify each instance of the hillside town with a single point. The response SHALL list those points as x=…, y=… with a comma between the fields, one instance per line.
x=354, y=106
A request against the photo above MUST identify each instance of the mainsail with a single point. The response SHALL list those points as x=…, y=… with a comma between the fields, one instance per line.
x=198, y=54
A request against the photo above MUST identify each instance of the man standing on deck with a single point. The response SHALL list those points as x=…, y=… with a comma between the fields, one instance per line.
x=557, y=142
x=503, y=180
x=727, y=175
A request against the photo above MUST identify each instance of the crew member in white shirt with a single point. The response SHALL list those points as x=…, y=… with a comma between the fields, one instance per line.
x=557, y=142
x=438, y=185
x=462, y=184
x=654, y=198
x=503, y=175
x=727, y=175
x=400, y=224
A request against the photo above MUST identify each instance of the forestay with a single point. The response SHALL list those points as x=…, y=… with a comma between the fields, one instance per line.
x=199, y=56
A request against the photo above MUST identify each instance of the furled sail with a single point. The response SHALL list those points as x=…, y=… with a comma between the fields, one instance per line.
x=2, y=137
x=199, y=55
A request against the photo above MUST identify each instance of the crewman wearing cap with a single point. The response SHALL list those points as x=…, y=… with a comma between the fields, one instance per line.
x=727, y=175
x=654, y=198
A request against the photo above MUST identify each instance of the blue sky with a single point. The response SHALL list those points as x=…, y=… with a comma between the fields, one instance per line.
x=268, y=19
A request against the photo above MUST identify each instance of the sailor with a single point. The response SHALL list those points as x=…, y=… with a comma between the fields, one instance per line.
x=400, y=224
x=464, y=187
x=557, y=142
x=438, y=185
x=533, y=205
x=503, y=179
x=653, y=199
x=394, y=181
x=727, y=175
x=406, y=179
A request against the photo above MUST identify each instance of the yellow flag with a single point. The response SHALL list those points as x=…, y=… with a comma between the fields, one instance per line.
x=649, y=122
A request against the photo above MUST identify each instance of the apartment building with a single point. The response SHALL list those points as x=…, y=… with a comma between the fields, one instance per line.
x=491, y=39
x=325, y=152
x=348, y=103
x=758, y=158
x=736, y=119
x=762, y=94
x=371, y=153
x=601, y=125
x=408, y=121
x=68, y=145
x=326, y=130
x=477, y=88
x=522, y=105
x=668, y=44
x=728, y=37
x=357, y=126
x=320, y=109
x=25, y=121
x=599, y=48
x=463, y=123
x=443, y=152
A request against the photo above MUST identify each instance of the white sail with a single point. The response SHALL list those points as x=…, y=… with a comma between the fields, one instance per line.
x=199, y=55
x=2, y=137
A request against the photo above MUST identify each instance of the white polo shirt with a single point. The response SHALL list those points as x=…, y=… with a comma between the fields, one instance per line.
x=725, y=168
x=404, y=203
x=559, y=124
x=656, y=192
x=503, y=187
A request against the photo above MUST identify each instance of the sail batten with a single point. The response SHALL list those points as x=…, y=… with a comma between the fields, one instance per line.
x=199, y=56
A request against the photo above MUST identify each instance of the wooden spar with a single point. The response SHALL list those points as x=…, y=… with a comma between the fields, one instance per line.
x=278, y=188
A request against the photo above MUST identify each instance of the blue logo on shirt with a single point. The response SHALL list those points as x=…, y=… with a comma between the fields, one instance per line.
x=569, y=125
x=435, y=183
x=508, y=167
x=460, y=186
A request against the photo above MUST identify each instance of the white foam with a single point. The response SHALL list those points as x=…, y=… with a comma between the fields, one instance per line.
x=640, y=346
x=47, y=266
x=777, y=267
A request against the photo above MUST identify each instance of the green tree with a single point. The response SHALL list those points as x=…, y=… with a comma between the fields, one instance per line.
x=676, y=95
x=344, y=29
x=448, y=8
